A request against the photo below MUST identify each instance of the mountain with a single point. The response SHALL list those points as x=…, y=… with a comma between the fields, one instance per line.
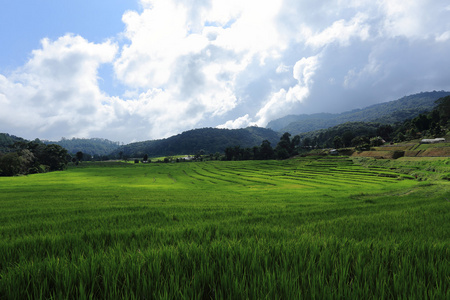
x=432, y=124
x=391, y=112
x=347, y=131
x=210, y=140
x=93, y=146
x=7, y=140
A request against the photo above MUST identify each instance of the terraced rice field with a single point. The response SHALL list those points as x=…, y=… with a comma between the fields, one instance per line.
x=302, y=228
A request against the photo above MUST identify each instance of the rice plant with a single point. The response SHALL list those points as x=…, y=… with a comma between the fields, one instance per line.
x=305, y=228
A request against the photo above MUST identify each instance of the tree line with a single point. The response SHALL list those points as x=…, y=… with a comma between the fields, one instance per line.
x=33, y=157
x=285, y=148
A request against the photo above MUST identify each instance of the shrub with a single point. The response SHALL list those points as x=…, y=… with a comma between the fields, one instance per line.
x=398, y=154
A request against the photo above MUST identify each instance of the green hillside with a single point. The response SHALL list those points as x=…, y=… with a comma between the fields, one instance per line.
x=7, y=140
x=347, y=131
x=387, y=113
x=210, y=140
x=433, y=124
x=93, y=146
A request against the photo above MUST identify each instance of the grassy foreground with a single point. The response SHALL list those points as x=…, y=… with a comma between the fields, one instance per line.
x=307, y=228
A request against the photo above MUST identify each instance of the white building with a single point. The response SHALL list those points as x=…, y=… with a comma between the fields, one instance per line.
x=432, y=141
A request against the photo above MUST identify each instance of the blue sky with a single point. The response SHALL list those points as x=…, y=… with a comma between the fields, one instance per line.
x=148, y=69
x=24, y=23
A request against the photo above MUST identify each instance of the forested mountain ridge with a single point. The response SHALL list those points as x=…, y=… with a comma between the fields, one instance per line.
x=208, y=140
x=92, y=146
x=435, y=123
x=7, y=140
x=391, y=112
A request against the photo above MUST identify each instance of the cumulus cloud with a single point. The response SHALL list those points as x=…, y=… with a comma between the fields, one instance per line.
x=340, y=31
x=240, y=122
x=193, y=63
x=197, y=57
x=56, y=91
x=283, y=101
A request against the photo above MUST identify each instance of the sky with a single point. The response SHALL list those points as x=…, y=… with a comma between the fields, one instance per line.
x=130, y=70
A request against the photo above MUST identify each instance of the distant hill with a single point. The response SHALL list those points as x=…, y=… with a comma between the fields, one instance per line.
x=391, y=112
x=325, y=137
x=93, y=146
x=6, y=140
x=210, y=140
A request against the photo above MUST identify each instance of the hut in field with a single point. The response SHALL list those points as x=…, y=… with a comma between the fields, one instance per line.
x=432, y=141
x=333, y=152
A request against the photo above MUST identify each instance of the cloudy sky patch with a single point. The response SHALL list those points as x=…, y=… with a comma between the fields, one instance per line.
x=139, y=70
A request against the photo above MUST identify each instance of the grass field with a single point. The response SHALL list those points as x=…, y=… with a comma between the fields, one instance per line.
x=316, y=228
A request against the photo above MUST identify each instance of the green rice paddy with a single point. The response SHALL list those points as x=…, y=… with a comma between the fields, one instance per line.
x=324, y=228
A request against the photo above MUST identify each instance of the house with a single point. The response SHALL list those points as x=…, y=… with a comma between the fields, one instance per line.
x=333, y=152
x=432, y=141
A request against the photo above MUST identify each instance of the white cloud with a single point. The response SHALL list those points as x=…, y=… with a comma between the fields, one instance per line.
x=240, y=122
x=340, y=31
x=158, y=36
x=163, y=33
x=304, y=70
x=443, y=37
x=282, y=102
x=282, y=68
x=57, y=89
x=414, y=18
x=254, y=28
x=402, y=18
x=196, y=58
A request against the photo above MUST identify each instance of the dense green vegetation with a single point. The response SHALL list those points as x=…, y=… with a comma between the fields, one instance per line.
x=358, y=134
x=391, y=112
x=7, y=140
x=32, y=157
x=302, y=228
x=285, y=148
x=95, y=147
x=205, y=140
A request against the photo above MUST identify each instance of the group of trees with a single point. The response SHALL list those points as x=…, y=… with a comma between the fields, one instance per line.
x=432, y=124
x=32, y=157
x=285, y=148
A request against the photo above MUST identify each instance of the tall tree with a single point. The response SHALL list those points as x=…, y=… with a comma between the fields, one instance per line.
x=337, y=142
x=284, y=148
x=295, y=142
x=385, y=131
x=443, y=106
x=53, y=156
x=347, y=138
x=79, y=156
x=266, y=150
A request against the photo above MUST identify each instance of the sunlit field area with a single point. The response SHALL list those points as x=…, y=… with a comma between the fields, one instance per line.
x=312, y=228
